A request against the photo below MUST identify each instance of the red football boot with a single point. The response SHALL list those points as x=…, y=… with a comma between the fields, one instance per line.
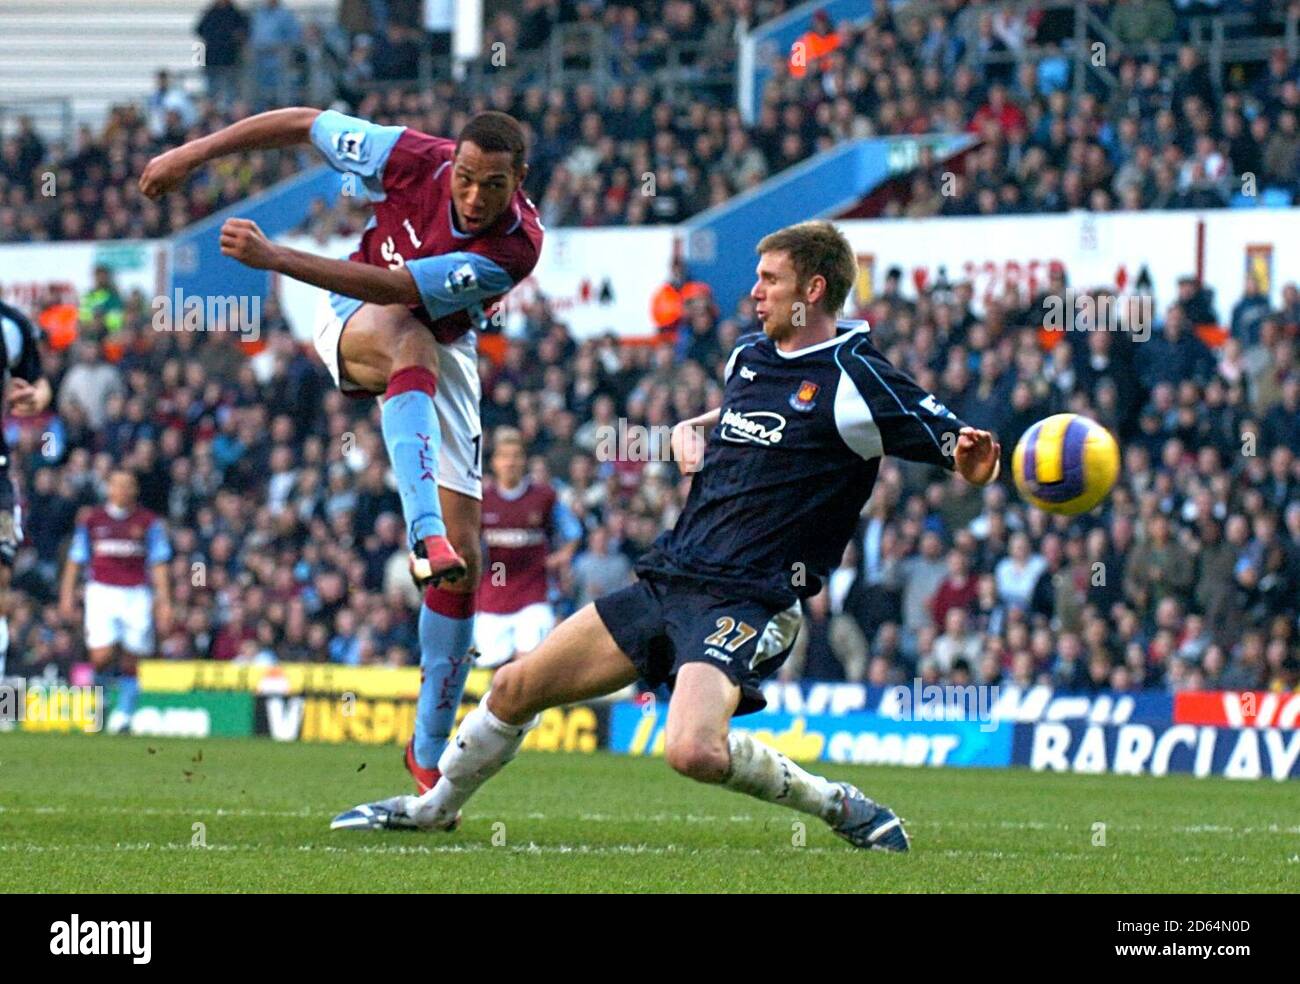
x=425, y=779
x=434, y=560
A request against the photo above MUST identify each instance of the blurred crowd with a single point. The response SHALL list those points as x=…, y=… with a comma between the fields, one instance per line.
x=1168, y=134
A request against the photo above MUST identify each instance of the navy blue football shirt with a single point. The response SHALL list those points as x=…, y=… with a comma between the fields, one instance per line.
x=791, y=463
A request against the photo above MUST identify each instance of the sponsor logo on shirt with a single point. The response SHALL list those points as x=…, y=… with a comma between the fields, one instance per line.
x=936, y=408
x=462, y=279
x=350, y=146
x=752, y=427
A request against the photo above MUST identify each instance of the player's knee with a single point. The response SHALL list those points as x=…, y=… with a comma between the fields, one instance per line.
x=701, y=759
x=509, y=697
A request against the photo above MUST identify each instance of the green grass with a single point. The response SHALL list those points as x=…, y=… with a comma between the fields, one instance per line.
x=117, y=815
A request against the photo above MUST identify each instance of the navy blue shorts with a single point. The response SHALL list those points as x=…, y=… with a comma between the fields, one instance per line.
x=663, y=625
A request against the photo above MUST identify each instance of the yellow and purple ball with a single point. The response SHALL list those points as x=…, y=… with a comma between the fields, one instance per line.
x=1065, y=464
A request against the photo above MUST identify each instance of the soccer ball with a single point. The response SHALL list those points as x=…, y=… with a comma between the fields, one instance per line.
x=1065, y=464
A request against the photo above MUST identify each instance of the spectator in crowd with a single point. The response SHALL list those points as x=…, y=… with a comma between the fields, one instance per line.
x=223, y=29
x=598, y=570
x=275, y=31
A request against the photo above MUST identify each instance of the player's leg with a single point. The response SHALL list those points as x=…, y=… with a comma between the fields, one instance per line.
x=580, y=660
x=105, y=630
x=446, y=634
x=383, y=349
x=446, y=628
x=10, y=536
x=724, y=651
x=136, y=643
x=701, y=745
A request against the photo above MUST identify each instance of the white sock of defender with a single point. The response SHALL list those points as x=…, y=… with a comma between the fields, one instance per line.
x=480, y=749
x=4, y=644
x=761, y=771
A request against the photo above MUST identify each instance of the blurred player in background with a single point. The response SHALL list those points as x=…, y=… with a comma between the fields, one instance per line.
x=529, y=534
x=127, y=594
x=23, y=391
x=809, y=408
x=452, y=232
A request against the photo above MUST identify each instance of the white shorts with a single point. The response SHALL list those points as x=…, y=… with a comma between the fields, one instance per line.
x=460, y=460
x=498, y=637
x=117, y=615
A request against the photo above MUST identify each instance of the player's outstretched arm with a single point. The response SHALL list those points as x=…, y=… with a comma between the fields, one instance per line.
x=276, y=128
x=241, y=239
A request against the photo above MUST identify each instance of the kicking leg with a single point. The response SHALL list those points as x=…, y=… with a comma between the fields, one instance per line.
x=446, y=633
x=701, y=745
x=384, y=349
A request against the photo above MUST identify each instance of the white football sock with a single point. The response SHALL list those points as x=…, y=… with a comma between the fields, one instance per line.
x=761, y=771
x=480, y=749
x=4, y=644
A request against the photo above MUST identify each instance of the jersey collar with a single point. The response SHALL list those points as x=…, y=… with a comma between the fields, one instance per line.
x=850, y=328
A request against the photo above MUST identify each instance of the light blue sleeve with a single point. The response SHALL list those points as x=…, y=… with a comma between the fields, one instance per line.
x=355, y=146
x=457, y=281
x=567, y=527
x=79, y=551
x=157, y=548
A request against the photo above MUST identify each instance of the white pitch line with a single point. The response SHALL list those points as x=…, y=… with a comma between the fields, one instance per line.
x=329, y=811
x=403, y=849
x=307, y=813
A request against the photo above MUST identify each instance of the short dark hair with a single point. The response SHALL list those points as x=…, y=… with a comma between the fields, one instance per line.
x=495, y=133
x=817, y=248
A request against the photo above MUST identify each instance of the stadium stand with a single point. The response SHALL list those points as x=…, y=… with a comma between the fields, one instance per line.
x=1161, y=131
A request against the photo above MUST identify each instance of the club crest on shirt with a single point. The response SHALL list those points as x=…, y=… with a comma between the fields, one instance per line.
x=805, y=397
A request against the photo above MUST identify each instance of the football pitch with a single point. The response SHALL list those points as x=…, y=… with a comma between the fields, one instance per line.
x=101, y=814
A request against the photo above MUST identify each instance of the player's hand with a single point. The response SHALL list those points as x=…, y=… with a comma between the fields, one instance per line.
x=242, y=240
x=27, y=399
x=688, y=445
x=977, y=455
x=67, y=610
x=166, y=172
